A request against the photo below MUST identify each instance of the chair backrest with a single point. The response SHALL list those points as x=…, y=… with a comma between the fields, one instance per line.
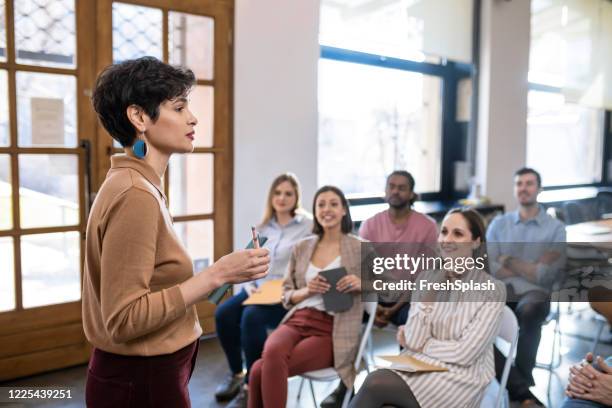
x=370, y=309
x=508, y=328
x=604, y=203
x=508, y=331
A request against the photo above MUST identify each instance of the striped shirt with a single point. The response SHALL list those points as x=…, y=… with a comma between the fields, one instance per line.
x=458, y=335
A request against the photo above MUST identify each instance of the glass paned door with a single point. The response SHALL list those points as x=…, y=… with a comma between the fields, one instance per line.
x=40, y=163
x=45, y=119
x=54, y=155
x=195, y=34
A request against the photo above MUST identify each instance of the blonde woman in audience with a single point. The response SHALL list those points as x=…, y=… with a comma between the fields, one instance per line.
x=311, y=338
x=244, y=329
x=453, y=330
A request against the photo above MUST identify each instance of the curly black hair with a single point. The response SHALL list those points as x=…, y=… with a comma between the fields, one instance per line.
x=411, y=183
x=145, y=82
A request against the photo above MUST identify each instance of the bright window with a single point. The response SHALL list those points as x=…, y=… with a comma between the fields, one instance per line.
x=564, y=140
x=565, y=121
x=374, y=120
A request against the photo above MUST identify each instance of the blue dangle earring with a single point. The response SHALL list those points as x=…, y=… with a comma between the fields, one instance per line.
x=140, y=148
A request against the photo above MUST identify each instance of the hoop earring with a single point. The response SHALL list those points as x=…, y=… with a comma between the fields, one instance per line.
x=140, y=149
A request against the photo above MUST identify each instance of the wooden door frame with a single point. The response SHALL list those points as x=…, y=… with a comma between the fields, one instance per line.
x=51, y=337
x=223, y=147
x=47, y=337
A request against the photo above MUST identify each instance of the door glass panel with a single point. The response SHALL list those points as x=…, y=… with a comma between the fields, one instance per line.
x=48, y=190
x=45, y=32
x=50, y=268
x=6, y=205
x=137, y=32
x=201, y=104
x=7, y=275
x=198, y=237
x=2, y=32
x=191, y=184
x=46, y=110
x=191, y=42
x=4, y=113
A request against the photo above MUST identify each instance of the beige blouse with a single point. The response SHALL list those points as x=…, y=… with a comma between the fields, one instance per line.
x=347, y=325
x=134, y=262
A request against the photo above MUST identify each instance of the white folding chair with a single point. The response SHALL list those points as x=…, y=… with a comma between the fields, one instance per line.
x=329, y=374
x=508, y=334
x=389, y=328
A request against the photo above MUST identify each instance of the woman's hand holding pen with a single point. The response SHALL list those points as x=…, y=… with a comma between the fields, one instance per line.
x=241, y=266
x=237, y=267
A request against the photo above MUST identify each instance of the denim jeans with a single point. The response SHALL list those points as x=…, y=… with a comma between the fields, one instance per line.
x=580, y=403
x=245, y=329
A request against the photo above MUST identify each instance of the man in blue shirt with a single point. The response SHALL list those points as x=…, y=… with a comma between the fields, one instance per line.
x=526, y=251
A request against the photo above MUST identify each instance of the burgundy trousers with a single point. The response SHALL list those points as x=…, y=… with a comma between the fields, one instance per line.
x=120, y=381
x=303, y=343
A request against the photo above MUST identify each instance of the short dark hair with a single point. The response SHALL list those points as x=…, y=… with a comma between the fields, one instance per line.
x=146, y=82
x=411, y=183
x=528, y=170
x=346, y=223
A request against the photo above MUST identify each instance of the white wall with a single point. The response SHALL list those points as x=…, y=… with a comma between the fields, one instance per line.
x=275, y=102
x=502, y=121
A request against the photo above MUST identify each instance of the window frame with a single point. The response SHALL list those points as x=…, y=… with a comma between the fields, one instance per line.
x=453, y=142
x=606, y=150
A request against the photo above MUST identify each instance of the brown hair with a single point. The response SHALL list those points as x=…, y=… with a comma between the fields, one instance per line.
x=476, y=224
x=346, y=224
x=292, y=179
x=528, y=170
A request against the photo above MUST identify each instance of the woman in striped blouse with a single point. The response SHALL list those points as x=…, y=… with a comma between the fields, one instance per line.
x=452, y=329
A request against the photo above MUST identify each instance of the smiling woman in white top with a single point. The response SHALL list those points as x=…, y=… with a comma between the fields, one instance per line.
x=243, y=329
x=310, y=337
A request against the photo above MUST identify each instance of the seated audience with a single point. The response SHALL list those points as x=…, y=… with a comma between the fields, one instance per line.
x=310, y=338
x=243, y=329
x=524, y=256
x=454, y=330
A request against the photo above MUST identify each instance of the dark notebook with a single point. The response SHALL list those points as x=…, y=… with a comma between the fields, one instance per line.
x=335, y=301
x=217, y=294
